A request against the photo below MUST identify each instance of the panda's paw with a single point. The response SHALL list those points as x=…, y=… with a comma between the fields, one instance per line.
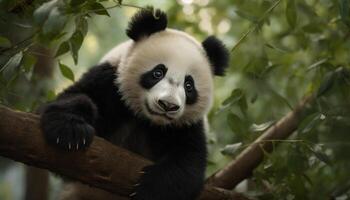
x=66, y=131
x=149, y=187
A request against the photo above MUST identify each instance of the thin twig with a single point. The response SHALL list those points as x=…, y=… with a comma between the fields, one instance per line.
x=19, y=44
x=114, y=6
x=255, y=27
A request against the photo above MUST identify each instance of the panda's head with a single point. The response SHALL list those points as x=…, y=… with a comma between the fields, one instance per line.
x=166, y=75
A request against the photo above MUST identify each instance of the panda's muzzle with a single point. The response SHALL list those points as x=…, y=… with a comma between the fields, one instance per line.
x=156, y=113
x=168, y=106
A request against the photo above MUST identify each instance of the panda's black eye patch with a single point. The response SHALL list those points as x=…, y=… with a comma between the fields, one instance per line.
x=190, y=89
x=152, y=77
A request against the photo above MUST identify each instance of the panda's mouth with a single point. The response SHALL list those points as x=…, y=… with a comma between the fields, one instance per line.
x=157, y=113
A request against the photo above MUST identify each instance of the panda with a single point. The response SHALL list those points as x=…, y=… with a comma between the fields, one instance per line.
x=149, y=95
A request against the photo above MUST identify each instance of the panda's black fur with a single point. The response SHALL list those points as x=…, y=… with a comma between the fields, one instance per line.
x=93, y=105
x=217, y=54
x=146, y=22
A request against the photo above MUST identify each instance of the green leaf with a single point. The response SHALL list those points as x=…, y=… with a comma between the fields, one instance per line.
x=82, y=25
x=231, y=149
x=99, y=9
x=283, y=99
x=318, y=63
x=310, y=122
x=236, y=124
x=28, y=62
x=291, y=13
x=246, y=15
x=41, y=14
x=261, y=127
x=66, y=72
x=344, y=10
x=321, y=156
x=64, y=48
x=4, y=42
x=55, y=22
x=268, y=69
x=236, y=94
x=243, y=105
x=11, y=68
x=307, y=178
x=254, y=98
x=74, y=3
x=326, y=83
x=75, y=43
x=275, y=48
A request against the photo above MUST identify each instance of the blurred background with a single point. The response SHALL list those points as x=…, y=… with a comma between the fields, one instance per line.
x=281, y=52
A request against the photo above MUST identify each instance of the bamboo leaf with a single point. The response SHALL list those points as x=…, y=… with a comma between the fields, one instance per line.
x=261, y=127
x=291, y=13
x=99, y=9
x=310, y=122
x=231, y=149
x=326, y=83
x=75, y=43
x=321, y=155
x=66, y=72
x=11, y=67
x=236, y=124
x=64, y=48
x=236, y=94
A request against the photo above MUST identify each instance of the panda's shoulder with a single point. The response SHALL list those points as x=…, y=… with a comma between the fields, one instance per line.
x=100, y=74
x=99, y=80
x=116, y=55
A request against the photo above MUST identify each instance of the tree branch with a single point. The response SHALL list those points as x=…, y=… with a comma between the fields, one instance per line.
x=102, y=165
x=243, y=166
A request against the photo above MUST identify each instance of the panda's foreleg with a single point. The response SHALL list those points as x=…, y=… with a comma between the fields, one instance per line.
x=180, y=174
x=68, y=122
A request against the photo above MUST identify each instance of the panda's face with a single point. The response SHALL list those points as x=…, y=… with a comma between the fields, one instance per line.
x=167, y=79
x=168, y=92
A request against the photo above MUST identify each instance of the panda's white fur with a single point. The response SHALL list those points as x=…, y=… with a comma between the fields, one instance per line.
x=133, y=59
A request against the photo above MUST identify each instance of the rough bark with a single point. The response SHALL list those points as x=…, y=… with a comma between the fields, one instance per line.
x=213, y=193
x=244, y=164
x=37, y=180
x=102, y=165
x=37, y=184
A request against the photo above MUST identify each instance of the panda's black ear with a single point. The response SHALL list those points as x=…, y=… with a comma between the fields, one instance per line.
x=217, y=53
x=146, y=22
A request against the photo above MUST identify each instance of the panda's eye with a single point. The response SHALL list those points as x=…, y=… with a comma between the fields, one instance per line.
x=188, y=86
x=158, y=73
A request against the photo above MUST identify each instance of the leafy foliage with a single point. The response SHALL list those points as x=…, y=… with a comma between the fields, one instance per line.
x=282, y=50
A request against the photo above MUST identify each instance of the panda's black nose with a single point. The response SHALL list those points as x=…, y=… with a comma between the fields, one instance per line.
x=168, y=106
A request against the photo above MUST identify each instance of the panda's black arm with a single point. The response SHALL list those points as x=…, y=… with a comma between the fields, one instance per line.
x=72, y=119
x=179, y=175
